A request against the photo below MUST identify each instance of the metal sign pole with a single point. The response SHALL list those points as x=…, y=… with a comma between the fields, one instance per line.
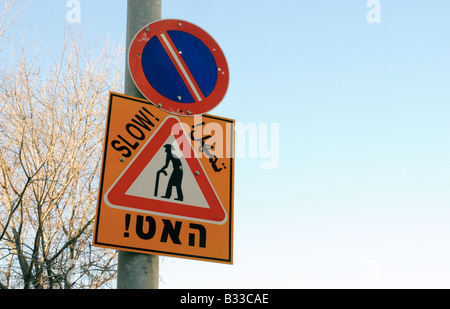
x=135, y=270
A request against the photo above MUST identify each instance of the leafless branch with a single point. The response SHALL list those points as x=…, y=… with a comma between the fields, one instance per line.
x=51, y=135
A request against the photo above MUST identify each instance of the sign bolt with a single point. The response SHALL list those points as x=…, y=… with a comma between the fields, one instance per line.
x=188, y=112
x=122, y=159
x=159, y=105
x=197, y=173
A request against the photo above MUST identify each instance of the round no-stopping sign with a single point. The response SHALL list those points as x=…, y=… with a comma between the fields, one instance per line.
x=178, y=67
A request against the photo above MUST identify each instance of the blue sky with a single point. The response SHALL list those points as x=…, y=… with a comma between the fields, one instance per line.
x=360, y=195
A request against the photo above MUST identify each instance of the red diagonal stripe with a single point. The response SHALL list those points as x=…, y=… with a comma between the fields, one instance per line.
x=181, y=67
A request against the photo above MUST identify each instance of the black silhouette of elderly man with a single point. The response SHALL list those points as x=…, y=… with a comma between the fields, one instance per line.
x=177, y=174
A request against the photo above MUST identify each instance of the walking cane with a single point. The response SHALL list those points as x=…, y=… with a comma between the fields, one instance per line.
x=157, y=181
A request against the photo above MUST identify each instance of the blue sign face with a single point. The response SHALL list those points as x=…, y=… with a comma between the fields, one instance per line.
x=178, y=67
x=163, y=75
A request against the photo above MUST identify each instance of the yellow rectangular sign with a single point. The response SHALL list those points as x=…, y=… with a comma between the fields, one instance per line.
x=166, y=186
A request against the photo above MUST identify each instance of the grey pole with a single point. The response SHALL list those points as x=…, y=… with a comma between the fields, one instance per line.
x=139, y=14
x=135, y=270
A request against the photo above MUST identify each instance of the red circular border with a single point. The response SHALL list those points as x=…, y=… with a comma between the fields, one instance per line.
x=137, y=73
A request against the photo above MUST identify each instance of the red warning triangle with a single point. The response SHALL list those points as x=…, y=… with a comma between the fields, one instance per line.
x=187, y=192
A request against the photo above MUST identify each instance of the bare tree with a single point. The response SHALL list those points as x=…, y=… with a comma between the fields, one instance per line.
x=8, y=15
x=51, y=138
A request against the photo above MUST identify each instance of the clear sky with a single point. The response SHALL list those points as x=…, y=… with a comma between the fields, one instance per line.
x=354, y=192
